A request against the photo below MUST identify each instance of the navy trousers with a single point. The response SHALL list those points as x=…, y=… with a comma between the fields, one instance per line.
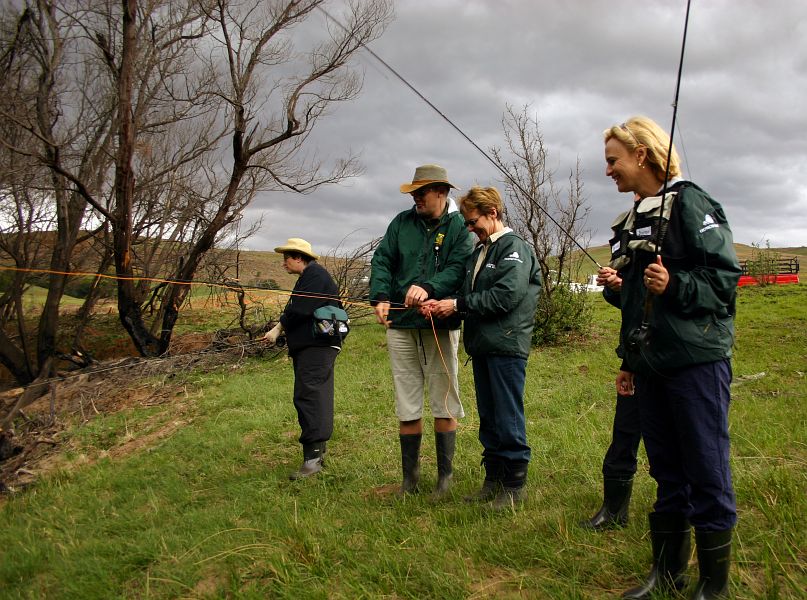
x=313, y=392
x=620, y=459
x=684, y=419
x=499, y=383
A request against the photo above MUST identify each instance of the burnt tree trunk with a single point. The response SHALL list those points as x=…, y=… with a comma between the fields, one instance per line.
x=129, y=311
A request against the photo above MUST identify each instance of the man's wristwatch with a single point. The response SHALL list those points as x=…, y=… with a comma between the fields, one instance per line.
x=455, y=305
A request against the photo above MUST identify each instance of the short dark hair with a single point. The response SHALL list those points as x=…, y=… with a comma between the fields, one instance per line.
x=440, y=188
x=298, y=255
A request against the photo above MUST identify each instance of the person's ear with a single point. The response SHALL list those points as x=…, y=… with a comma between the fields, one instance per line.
x=641, y=155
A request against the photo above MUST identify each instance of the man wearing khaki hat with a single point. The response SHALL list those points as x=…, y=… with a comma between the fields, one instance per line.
x=313, y=357
x=422, y=256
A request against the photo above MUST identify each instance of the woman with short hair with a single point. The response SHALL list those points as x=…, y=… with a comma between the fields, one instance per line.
x=313, y=356
x=498, y=300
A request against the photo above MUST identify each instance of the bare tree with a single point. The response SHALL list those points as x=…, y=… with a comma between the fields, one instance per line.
x=131, y=106
x=33, y=100
x=526, y=159
x=271, y=123
x=529, y=205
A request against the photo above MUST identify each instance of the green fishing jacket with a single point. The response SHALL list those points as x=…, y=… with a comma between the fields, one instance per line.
x=692, y=322
x=416, y=251
x=499, y=306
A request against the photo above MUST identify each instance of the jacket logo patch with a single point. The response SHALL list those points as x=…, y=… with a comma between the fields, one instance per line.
x=514, y=256
x=708, y=223
x=644, y=231
x=490, y=266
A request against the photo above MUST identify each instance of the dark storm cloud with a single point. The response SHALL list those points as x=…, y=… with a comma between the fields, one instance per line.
x=581, y=66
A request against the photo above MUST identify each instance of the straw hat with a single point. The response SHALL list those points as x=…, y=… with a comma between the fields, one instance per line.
x=297, y=245
x=426, y=175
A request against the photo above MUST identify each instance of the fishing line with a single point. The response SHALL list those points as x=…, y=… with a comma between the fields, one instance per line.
x=229, y=287
x=461, y=132
x=690, y=176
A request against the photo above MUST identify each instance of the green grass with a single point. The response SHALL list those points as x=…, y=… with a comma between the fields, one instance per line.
x=203, y=509
x=35, y=296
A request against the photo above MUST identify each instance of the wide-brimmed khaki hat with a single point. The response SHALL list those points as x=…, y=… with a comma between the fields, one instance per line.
x=297, y=245
x=427, y=175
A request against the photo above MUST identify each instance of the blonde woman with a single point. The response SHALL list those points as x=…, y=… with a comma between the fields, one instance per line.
x=678, y=306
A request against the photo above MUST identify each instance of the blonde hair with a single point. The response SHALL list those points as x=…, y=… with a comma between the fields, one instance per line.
x=643, y=131
x=483, y=200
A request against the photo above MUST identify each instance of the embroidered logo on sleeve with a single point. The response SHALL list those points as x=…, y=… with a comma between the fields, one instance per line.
x=708, y=223
x=514, y=256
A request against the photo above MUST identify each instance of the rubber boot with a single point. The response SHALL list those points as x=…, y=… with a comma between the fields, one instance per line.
x=445, y=441
x=312, y=461
x=714, y=558
x=614, y=509
x=511, y=494
x=494, y=471
x=669, y=536
x=410, y=462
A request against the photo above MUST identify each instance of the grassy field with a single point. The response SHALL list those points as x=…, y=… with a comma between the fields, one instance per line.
x=190, y=499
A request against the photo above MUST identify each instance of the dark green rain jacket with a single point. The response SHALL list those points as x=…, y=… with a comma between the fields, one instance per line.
x=499, y=306
x=693, y=321
x=430, y=254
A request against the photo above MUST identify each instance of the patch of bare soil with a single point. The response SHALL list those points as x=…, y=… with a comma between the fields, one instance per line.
x=40, y=439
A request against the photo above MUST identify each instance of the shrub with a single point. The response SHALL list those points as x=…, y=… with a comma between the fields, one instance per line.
x=763, y=264
x=80, y=287
x=561, y=313
x=267, y=284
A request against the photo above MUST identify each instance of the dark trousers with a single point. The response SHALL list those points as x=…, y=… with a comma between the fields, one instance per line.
x=313, y=392
x=620, y=459
x=499, y=383
x=684, y=420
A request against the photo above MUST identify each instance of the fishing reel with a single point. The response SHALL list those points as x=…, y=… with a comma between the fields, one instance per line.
x=638, y=339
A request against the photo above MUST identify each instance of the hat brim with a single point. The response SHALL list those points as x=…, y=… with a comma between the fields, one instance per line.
x=282, y=249
x=408, y=188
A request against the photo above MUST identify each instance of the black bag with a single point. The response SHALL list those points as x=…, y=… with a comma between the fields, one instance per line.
x=331, y=322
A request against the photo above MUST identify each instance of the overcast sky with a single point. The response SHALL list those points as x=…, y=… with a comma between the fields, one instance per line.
x=582, y=65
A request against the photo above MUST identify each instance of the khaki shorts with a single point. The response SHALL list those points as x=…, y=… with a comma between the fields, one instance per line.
x=416, y=362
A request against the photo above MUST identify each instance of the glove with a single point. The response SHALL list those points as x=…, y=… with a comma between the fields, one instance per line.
x=272, y=335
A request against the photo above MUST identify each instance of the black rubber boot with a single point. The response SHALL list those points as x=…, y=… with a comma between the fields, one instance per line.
x=312, y=461
x=410, y=462
x=714, y=559
x=494, y=472
x=614, y=509
x=669, y=536
x=511, y=494
x=445, y=441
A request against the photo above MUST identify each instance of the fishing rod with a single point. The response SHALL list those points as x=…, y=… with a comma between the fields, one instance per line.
x=659, y=233
x=639, y=336
x=461, y=132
